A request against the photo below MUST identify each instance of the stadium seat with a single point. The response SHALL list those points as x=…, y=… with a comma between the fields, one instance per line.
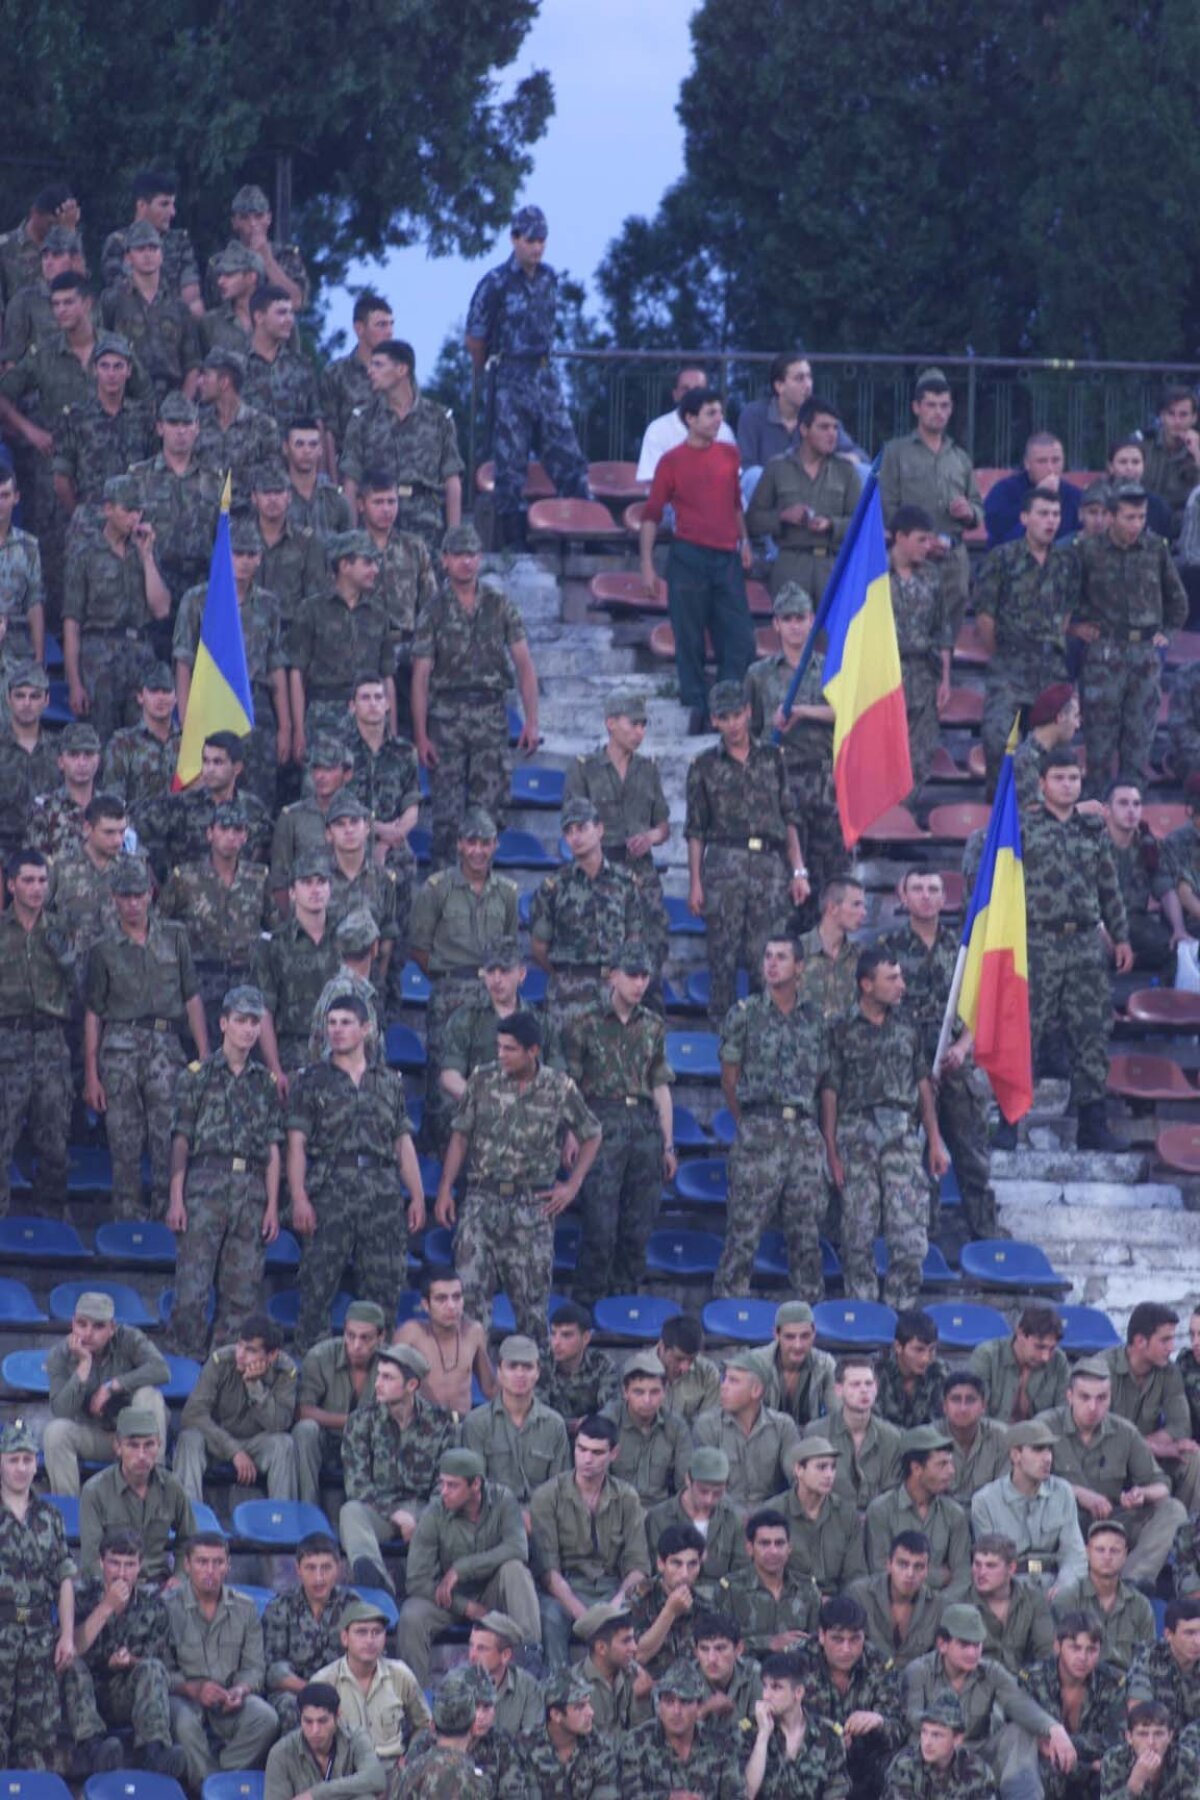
x=958, y=821
x=534, y=986
x=1168, y=1008
x=32, y=1784
x=1148, y=1078
x=1158, y=1607
x=683, y=1253
x=637, y=1316
x=522, y=850
x=525, y=907
x=944, y=768
x=964, y=707
x=724, y=1126
x=771, y=1257
x=1178, y=1148
x=185, y=1373
x=616, y=482
x=166, y=1306
x=504, y=1319
x=284, y=1308
x=381, y=1598
x=567, y=520
x=29, y=1239
x=568, y=1239
x=67, y=1506
x=206, y=1519
x=1087, y=1331
x=854, y=1324
x=403, y=1048
x=25, y=1372
x=423, y=787
x=130, y=1308
x=284, y=1252
x=89, y=1169
x=420, y=842
x=632, y=516
x=438, y=1249
x=260, y=1597
x=693, y=1055
x=741, y=1321
x=689, y=1132
x=538, y=485
x=831, y=1263
x=131, y=1784
x=676, y=999
x=532, y=786
x=58, y=707
x=962, y=1326
x=956, y=889
x=625, y=591
x=896, y=826
x=699, y=987
x=977, y=762
x=277, y=1524
x=662, y=643
x=969, y=646
x=1162, y=818
x=759, y=601
x=935, y=1270
x=1183, y=648
x=414, y=985
x=144, y=1241
x=680, y=922
x=999, y=1263
x=17, y=1304
x=705, y=1182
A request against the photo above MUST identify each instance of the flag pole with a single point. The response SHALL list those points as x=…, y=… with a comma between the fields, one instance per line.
x=951, y=1010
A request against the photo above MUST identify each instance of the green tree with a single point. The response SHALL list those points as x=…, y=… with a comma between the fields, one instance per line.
x=388, y=111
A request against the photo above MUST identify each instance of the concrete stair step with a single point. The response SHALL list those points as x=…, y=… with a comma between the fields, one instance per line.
x=1063, y=1165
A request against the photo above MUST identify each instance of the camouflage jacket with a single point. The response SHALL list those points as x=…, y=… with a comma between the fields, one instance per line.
x=875, y=1065
x=55, y=823
x=512, y=312
x=183, y=511
x=592, y=1387
x=1178, y=1777
x=1070, y=874
x=1125, y=590
x=612, y=1061
x=1155, y=1675
x=138, y=766
x=163, y=331
x=923, y=624
x=91, y=444
x=470, y=1042
x=651, y=1770
x=1030, y=603
x=514, y=1130
x=387, y=780
x=326, y=512
x=920, y=1407
x=331, y=644
x=250, y=441
x=104, y=592
x=874, y=1687
x=345, y=385
x=179, y=267
x=373, y=888
x=295, y=1640
x=141, y=1628
x=730, y=802
x=36, y=968
x=909, y=1777
x=496, y=1756
x=781, y=1058
x=294, y=569
x=443, y=1773
x=222, y=1113
x=292, y=969
x=284, y=387
x=828, y=983
x=928, y=972
x=626, y=806
x=34, y=1559
x=468, y=647
x=818, y=1772
x=262, y=635
x=21, y=590
x=175, y=827
x=407, y=583
x=82, y=903
x=761, y=1616
x=225, y=923
x=419, y=451
x=386, y=1465
x=582, y=918
x=341, y=1121
x=1102, y=1722
x=808, y=744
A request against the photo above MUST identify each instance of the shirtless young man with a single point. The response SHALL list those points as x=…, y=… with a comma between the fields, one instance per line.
x=454, y=1347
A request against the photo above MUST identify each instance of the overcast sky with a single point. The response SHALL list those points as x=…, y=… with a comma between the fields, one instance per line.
x=613, y=146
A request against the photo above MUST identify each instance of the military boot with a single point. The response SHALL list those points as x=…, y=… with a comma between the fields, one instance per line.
x=1093, y=1131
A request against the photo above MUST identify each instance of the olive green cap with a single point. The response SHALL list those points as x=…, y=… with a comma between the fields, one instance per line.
x=237, y=259
x=794, y=1312
x=365, y=1312
x=328, y=751
x=565, y=1688
x=79, y=737
x=406, y=1357
x=111, y=343
x=684, y=1680
x=964, y=1623
x=643, y=1362
x=751, y=1361
x=709, y=1463
x=626, y=703
x=28, y=675
x=309, y=863
x=518, y=1349
x=352, y=543
x=590, y=1622
x=250, y=199
x=361, y=1612
x=923, y=1438
x=232, y=814
x=131, y=876
x=136, y=1421
x=944, y=1709
x=633, y=959
x=503, y=953
x=502, y=1627
x=726, y=697
x=464, y=1464
x=123, y=490
x=142, y=235
x=358, y=931
x=1095, y=1366
x=580, y=811
x=809, y=1447
x=245, y=999
x=1032, y=1433
x=346, y=805
x=792, y=601
x=176, y=409
x=60, y=240
x=158, y=679
x=98, y=1307
x=245, y=538
x=477, y=822
x=17, y=1437
x=461, y=540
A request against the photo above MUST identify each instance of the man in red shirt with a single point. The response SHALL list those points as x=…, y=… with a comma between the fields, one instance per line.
x=706, y=582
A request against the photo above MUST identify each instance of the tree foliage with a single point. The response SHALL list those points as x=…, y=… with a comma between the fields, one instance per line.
x=388, y=109
x=908, y=179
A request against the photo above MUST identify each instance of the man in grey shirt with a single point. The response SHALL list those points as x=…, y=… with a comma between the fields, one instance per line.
x=1035, y=1509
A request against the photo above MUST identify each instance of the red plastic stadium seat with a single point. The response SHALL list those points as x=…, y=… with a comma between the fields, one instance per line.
x=968, y=645
x=1183, y=648
x=572, y=519
x=616, y=481
x=1139, y=1077
x=1163, y=817
x=944, y=768
x=1083, y=478
x=964, y=707
x=625, y=591
x=1166, y=1007
x=977, y=761
x=1178, y=1147
x=896, y=826
x=662, y=642
x=956, y=889
x=958, y=821
x=759, y=601
x=631, y=518
x=986, y=479
x=538, y=485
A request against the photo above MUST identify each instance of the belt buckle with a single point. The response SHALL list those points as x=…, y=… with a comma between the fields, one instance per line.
x=1135, y=637
x=22, y=1615
x=506, y=1189
x=1070, y=929
x=789, y=1113
x=162, y=1024
x=363, y=1162
x=631, y=1099
x=239, y=1165
x=1034, y=1565
x=403, y=491
x=754, y=843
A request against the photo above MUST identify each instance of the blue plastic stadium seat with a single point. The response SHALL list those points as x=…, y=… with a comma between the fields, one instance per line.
x=403, y=1048
x=17, y=1304
x=130, y=1309
x=420, y=842
x=677, y=1000
x=1004, y=1263
x=32, y=1784
x=568, y=1238
x=680, y=921
x=949, y=1190
x=439, y=1247
x=704, y=1181
x=67, y=1505
x=408, y=1306
x=699, y=987
x=771, y=1257
x=689, y=1132
x=144, y=1241
x=1087, y=1331
x=89, y=1169
x=935, y=1270
x=382, y=1599
x=166, y=1306
x=414, y=985
x=724, y=1126
x=963, y=1326
x=131, y=1784
x=25, y=1371
x=206, y=1519
x=533, y=988
x=523, y=850
x=525, y=907
x=18, y=1180
x=416, y=1110
x=278, y=1524
x=504, y=1319
x=24, y=1236
x=431, y=1173
x=260, y=1597
x=284, y=1253
x=516, y=723
x=740, y=1321
x=693, y=1055
x=58, y=707
x=637, y=1316
x=532, y=786
x=185, y=1373
x=683, y=1253
x=854, y=1324
x=284, y=1308
x=1159, y=1608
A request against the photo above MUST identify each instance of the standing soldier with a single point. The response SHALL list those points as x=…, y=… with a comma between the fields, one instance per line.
x=616, y=1052
x=36, y=989
x=28, y=755
x=510, y=330
x=876, y=1087
x=81, y=886
x=113, y=590
x=464, y=642
x=226, y=325
x=154, y=192
x=225, y=1164
x=222, y=903
x=22, y=593
x=293, y=566
x=626, y=789
x=407, y=581
x=56, y=821
x=507, y=1134
x=928, y=469
x=805, y=501
x=350, y=1158
x=346, y=382
x=140, y=988
x=37, y=1576
x=1131, y=596
x=357, y=883
x=294, y=966
x=162, y=332
x=408, y=437
x=250, y=224
x=923, y=634
x=300, y=827
x=386, y=778
x=581, y=918
x=744, y=856
x=235, y=437
x=312, y=498
x=774, y=1055
x=175, y=828
x=101, y=436
x=140, y=760
x=470, y=1038
x=338, y=636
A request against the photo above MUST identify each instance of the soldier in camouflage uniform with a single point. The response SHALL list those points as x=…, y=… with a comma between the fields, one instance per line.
x=1075, y=1678
x=787, y=1750
x=154, y=193
x=677, y=1752
x=807, y=740
x=626, y=789
x=507, y=1134
x=661, y=1609
x=470, y=1039
x=250, y=221
x=939, y=1766
x=302, y=1626
x=338, y=636
x=36, y=989
x=36, y=1571
x=22, y=594
x=744, y=861
x=300, y=827
x=407, y=578
x=830, y=952
x=509, y=332
x=774, y=1055
x=179, y=497
x=1168, y=1670
x=161, y=330
x=1152, y=905
x=346, y=382
x=1025, y=595
x=139, y=989
x=401, y=433
x=357, y=941
x=226, y=324
x=580, y=919
x=911, y=1376
x=174, y=829
x=462, y=647
x=99, y=437
x=926, y=955
x=140, y=760
x=876, y=1088
x=776, y=1607
x=313, y=500
x=222, y=901
x=235, y=437
x=20, y=249
x=81, y=887
x=1130, y=597
x=28, y=756
x=845, y=1677
x=240, y=1411
x=357, y=883
x=294, y=966
x=386, y=778
x=1155, y=1755
x=923, y=632
x=294, y=566
x=576, y=1380
x=928, y=469
x=493, y=1751
x=279, y=377
x=448, y=1770
x=28, y=318
x=119, y=1674
x=56, y=818
x=1185, y=712
x=112, y=593
x=616, y=1053
x=226, y=1131
x=571, y=1755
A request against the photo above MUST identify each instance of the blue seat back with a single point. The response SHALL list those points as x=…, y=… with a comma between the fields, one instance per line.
x=857, y=1324
x=278, y=1522
x=743, y=1321
x=24, y=1236
x=637, y=1316
x=129, y=1306
x=964, y=1324
x=17, y=1304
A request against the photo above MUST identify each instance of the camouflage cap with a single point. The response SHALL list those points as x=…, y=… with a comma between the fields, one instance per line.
x=530, y=222
x=633, y=959
x=964, y=1623
x=461, y=540
x=232, y=815
x=250, y=199
x=566, y=1687
x=365, y=1312
x=932, y=377
x=726, y=697
x=176, y=409
x=684, y=1680
x=464, y=1465
x=1126, y=493
x=96, y=1306
x=503, y=953
x=346, y=805
x=131, y=876
x=454, y=1704
x=142, y=235
x=808, y=1447
x=1033, y=1434
x=580, y=811
x=1094, y=494
x=237, y=259
x=944, y=1709
x=79, y=738
x=626, y=703
x=136, y=1421
x=406, y=1357
x=328, y=751
x=502, y=1627
x=309, y=864
x=922, y=1438
x=477, y=822
x=17, y=1438
x=792, y=601
x=361, y=1612
x=269, y=478
x=352, y=543
x=358, y=930
x=111, y=343
x=158, y=679
x=751, y=1361
x=518, y=1349
x=28, y=675
x=794, y=1312
x=1099, y=1525
x=643, y=1362
x=245, y=539
x=603, y=1613
x=123, y=490
x=221, y=357
x=1050, y=702
x=709, y=1463
x=60, y=240
x=244, y=999
x=480, y=1683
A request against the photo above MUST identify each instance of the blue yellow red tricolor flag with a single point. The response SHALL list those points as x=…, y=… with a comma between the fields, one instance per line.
x=993, y=995
x=219, y=699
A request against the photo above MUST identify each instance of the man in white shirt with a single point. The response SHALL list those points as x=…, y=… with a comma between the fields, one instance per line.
x=668, y=430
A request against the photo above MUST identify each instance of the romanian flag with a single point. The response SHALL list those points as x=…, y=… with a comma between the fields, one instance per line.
x=220, y=698
x=994, y=997
x=871, y=767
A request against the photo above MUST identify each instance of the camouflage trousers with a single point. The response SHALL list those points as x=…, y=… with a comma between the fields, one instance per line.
x=261, y=773
x=954, y=578
x=776, y=1169
x=962, y=1110
x=139, y=1067
x=745, y=898
x=1119, y=692
x=1014, y=682
x=648, y=882
x=920, y=679
x=530, y=414
x=137, y=1697
x=361, y=1225
x=448, y=993
x=619, y=1200
x=505, y=1242
x=1069, y=991
x=223, y=1243
x=36, y=1092
x=403, y=865
x=213, y=1740
x=1185, y=752
x=569, y=995
x=474, y=767
x=29, y=1710
x=885, y=1194
x=111, y=666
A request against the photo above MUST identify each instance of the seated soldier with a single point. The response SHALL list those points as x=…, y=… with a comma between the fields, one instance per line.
x=134, y=1491
x=567, y=1755
x=911, y=1375
x=578, y=1381
x=1015, y=1612
x=336, y=1377
x=662, y=1610
x=1035, y=1509
x=902, y=1609
x=319, y=1753
x=1168, y=1671
x=96, y=1371
x=377, y=1693
x=1154, y=1760
x=1085, y=1695
x=620, y=1687
x=654, y=1445
x=939, y=1763
x=800, y=1378
x=760, y=1443
x=1123, y=1611
x=454, y=1346
x=733, y=1679
x=1148, y=1390
x=521, y=1441
x=921, y=1503
x=216, y=1667
x=517, y=1700
x=827, y=1531
x=703, y=1504
x=866, y=1446
x=493, y=1752
x=302, y=1626
x=675, y=1752
x=775, y=1608
x=1027, y=1373
x=241, y=1410
x=979, y=1445
x=855, y=1688
x=791, y=1750
x=693, y=1379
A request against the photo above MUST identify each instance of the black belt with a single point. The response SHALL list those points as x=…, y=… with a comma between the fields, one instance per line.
x=1067, y=929
x=539, y=358
x=755, y=844
x=363, y=1162
x=12, y=1614
x=620, y=1101
x=132, y=632
x=466, y=693
x=229, y=1165
x=1130, y=637
x=31, y=1022
x=146, y=1024
x=789, y=1114
x=513, y=1190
